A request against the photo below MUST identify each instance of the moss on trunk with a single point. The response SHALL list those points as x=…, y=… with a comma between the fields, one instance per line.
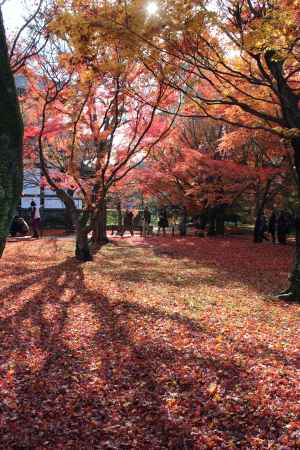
x=11, y=143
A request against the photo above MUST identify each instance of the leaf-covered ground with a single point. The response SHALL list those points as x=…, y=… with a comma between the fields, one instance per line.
x=160, y=344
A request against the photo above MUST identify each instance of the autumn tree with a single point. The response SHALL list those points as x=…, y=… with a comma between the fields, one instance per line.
x=189, y=169
x=233, y=57
x=251, y=63
x=92, y=132
x=241, y=56
x=270, y=158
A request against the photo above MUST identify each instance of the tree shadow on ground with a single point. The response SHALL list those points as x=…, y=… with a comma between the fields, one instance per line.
x=83, y=371
x=262, y=267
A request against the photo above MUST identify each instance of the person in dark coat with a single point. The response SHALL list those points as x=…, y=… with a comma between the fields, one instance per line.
x=128, y=222
x=162, y=222
x=19, y=226
x=260, y=228
x=147, y=221
x=273, y=226
x=282, y=227
x=263, y=228
x=138, y=222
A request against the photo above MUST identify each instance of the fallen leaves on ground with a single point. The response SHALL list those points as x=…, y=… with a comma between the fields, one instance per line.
x=163, y=343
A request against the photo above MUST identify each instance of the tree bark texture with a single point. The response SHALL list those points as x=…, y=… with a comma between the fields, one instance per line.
x=69, y=221
x=82, y=249
x=11, y=143
x=100, y=228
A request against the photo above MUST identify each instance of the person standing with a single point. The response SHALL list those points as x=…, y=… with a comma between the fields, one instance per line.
x=273, y=226
x=128, y=222
x=138, y=223
x=263, y=227
x=173, y=222
x=35, y=219
x=282, y=228
x=163, y=221
x=147, y=221
x=260, y=229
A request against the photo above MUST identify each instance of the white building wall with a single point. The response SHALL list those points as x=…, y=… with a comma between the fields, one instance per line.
x=32, y=191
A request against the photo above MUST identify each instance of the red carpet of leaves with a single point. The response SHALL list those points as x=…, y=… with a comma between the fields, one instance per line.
x=160, y=344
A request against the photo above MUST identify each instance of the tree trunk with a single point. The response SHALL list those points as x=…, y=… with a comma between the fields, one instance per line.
x=220, y=220
x=211, y=222
x=99, y=232
x=183, y=221
x=82, y=249
x=11, y=143
x=81, y=221
x=293, y=292
x=103, y=239
x=68, y=215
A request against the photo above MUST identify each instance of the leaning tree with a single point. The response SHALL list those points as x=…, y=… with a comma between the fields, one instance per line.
x=11, y=142
x=13, y=56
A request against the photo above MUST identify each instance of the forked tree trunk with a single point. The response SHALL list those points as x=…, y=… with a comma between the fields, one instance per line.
x=81, y=221
x=11, y=143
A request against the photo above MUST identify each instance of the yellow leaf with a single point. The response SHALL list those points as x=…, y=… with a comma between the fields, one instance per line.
x=217, y=397
x=212, y=388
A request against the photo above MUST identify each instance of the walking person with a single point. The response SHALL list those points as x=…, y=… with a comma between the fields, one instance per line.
x=163, y=221
x=128, y=222
x=173, y=222
x=260, y=228
x=273, y=226
x=282, y=228
x=138, y=222
x=35, y=220
x=146, y=222
x=263, y=228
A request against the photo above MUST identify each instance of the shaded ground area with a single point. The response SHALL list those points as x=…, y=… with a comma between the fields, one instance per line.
x=158, y=344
